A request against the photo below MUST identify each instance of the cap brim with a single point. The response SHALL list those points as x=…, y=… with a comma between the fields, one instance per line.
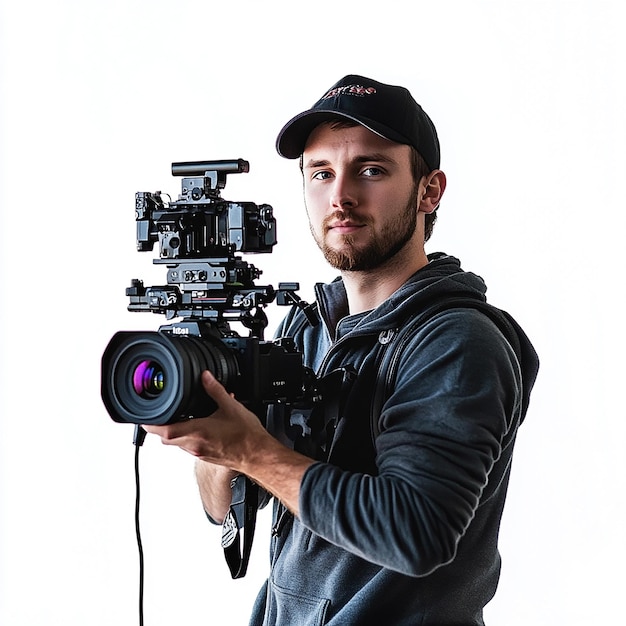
x=293, y=137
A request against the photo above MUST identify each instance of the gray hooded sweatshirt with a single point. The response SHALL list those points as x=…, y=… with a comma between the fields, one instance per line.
x=399, y=520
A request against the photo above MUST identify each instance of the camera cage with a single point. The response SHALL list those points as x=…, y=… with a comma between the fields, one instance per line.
x=199, y=236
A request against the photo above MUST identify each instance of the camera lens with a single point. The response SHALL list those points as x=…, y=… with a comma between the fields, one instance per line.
x=148, y=379
x=155, y=377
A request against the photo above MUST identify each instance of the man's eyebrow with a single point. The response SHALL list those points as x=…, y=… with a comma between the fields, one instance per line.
x=375, y=157
x=316, y=163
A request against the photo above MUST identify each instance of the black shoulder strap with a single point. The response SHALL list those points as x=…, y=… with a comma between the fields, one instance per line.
x=393, y=345
x=239, y=525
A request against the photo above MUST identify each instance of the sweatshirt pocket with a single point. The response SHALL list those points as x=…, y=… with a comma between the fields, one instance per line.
x=287, y=608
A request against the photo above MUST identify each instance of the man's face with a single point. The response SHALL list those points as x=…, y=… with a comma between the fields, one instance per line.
x=360, y=196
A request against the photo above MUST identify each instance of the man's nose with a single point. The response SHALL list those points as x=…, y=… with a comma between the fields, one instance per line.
x=343, y=193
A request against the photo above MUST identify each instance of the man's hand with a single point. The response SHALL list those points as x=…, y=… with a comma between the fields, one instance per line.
x=234, y=437
x=223, y=438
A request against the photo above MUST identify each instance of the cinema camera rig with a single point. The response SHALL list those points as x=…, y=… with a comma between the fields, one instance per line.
x=154, y=377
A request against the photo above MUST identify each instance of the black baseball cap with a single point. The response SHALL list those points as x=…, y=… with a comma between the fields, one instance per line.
x=386, y=110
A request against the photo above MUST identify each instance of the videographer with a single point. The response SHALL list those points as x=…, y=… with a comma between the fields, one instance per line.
x=397, y=522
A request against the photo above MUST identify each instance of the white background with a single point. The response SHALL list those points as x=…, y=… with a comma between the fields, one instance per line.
x=99, y=98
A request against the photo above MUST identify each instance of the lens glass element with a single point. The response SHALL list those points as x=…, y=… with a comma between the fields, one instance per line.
x=148, y=379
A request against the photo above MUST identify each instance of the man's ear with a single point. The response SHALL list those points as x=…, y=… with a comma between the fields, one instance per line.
x=432, y=187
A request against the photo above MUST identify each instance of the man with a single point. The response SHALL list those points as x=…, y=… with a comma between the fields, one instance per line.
x=395, y=520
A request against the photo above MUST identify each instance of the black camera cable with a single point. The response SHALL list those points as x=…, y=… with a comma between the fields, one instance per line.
x=138, y=439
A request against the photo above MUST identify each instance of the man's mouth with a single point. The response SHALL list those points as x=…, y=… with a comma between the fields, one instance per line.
x=345, y=227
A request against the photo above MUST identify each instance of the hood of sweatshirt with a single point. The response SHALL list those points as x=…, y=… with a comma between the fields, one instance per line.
x=441, y=279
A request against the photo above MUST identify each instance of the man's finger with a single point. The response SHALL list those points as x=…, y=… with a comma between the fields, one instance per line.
x=214, y=388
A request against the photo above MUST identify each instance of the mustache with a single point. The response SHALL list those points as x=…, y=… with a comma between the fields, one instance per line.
x=343, y=215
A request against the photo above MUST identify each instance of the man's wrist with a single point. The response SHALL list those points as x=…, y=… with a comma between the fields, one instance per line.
x=279, y=470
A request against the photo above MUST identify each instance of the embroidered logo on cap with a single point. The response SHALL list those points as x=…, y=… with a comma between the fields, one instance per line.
x=350, y=90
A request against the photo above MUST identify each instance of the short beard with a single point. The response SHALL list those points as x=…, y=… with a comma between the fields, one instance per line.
x=381, y=249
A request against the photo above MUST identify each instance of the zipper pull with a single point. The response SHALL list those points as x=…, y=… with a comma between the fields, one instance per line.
x=281, y=522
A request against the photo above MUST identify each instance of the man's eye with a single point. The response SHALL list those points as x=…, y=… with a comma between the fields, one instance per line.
x=321, y=175
x=372, y=171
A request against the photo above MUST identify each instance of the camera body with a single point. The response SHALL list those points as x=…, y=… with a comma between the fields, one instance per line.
x=154, y=377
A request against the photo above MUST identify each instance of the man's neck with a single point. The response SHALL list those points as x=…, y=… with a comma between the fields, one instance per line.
x=368, y=289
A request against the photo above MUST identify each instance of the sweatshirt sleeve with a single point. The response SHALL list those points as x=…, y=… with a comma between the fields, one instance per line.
x=454, y=408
